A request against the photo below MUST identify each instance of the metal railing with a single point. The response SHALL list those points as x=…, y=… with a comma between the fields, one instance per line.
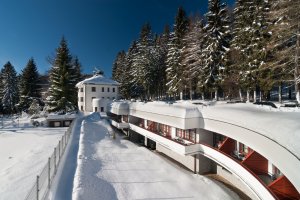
x=44, y=180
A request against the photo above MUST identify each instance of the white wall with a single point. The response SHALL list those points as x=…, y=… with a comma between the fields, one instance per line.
x=203, y=164
x=235, y=181
x=87, y=95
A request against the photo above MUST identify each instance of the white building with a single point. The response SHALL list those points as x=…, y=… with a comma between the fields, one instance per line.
x=256, y=150
x=94, y=93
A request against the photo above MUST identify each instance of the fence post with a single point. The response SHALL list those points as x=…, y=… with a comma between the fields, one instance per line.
x=66, y=138
x=62, y=143
x=55, y=160
x=37, y=187
x=59, y=150
x=49, y=172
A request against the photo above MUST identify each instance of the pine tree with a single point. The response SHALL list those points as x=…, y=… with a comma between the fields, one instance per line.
x=250, y=43
x=77, y=70
x=118, y=67
x=10, y=93
x=174, y=69
x=29, y=88
x=127, y=88
x=162, y=46
x=63, y=94
x=217, y=37
x=193, y=57
x=285, y=43
x=142, y=66
x=1, y=90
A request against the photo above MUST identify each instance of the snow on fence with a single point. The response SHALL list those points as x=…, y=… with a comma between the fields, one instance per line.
x=43, y=181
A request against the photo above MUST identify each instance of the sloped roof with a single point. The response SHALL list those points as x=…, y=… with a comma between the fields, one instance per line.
x=97, y=80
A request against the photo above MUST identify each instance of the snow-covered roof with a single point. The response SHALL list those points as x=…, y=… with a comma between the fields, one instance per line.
x=184, y=116
x=61, y=117
x=164, y=108
x=97, y=80
x=118, y=107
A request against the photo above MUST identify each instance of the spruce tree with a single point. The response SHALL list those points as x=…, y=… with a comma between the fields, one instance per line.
x=174, y=69
x=29, y=88
x=10, y=93
x=118, y=67
x=217, y=38
x=162, y=48
x=143, y=66
x=1, y=90
x=193, y=57
x=285, y=42
x=77, y=70
x=250, y=44
x=128, y=89
x=63, y=94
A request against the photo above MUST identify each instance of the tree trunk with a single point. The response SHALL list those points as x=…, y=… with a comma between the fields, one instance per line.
x=260, y=95
x=248, y=95
x=254, y=95
x=216, y=94
x=202, y=94
x=191, y=94
x=279, y=93
x=297, y=71
x=240, y=93
x=181, y=95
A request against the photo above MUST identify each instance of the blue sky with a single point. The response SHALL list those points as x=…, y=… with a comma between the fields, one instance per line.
x=95, y=29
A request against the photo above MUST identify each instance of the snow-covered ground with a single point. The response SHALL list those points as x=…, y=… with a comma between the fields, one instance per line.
x=24, y=151
x=111, y=169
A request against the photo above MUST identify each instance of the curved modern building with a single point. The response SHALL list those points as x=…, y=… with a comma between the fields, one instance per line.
x=256, y=149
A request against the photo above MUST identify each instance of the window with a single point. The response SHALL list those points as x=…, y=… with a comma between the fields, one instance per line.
x=96, y=109
x=81, y=108
x=93, y=89
x=108, y=98
x=164, y=130
x=113, y=98
x=102, y=109
x=114, y=89
x=81, y=99
x=102, y=97
x=102, y=89
x=81, y=89
x=108, y=89
x=189, y=134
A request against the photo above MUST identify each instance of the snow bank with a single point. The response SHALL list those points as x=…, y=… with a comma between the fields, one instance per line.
x=23, y=154
x=110, y=169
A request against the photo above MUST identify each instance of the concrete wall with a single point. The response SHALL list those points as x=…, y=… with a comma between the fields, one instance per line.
x=203, y=164
x=235, y=181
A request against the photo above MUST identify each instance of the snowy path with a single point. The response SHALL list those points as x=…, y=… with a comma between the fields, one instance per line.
x=111, y=169
x=63, y=182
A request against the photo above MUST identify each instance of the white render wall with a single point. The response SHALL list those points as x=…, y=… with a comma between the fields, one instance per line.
x=87, y=95
x=235, y=181
x=203, y=164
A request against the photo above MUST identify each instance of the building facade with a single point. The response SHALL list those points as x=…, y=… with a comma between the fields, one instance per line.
x=94, y=93
x=249, y=159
